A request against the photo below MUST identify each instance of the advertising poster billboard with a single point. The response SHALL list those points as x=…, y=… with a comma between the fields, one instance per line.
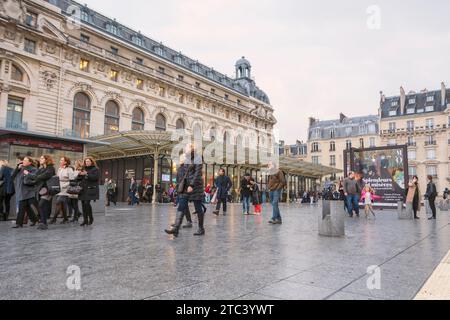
x=385, y=169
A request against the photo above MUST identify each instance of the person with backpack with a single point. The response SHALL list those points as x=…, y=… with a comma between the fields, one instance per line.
x=431, y=195
x=6, y=189
x=25, y=192
x=45, y=172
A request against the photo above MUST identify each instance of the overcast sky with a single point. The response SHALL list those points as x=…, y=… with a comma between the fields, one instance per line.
x=313, y=58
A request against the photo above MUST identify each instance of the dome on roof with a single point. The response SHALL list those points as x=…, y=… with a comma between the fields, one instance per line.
x=261, y=95
x=243, y=62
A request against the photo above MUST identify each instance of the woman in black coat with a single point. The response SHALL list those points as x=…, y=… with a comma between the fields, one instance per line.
x=44, y=173
x=89, y=181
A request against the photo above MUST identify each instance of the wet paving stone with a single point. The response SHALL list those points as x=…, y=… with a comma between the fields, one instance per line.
x=127, y=255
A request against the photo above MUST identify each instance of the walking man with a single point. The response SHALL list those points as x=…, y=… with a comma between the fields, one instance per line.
x=245, y=194
x=352, y=192
x=277, y=182
x=431, y=195
x=223, y=184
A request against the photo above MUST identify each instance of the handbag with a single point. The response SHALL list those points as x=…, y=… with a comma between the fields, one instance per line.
x=43, y=191
x=74, y=190
x=182, y=184
x=53, y=185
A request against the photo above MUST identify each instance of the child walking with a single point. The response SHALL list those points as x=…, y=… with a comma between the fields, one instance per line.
x=368, y=197
x=256, y=196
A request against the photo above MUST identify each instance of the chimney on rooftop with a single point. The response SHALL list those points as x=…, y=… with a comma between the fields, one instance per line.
x=443, y=94
x=382, y=97
x=402, y=100
x=342, y=117
x=311, y=121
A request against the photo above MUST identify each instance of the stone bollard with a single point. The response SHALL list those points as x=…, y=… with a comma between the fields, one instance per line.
x=405, y=213
x=332, y=219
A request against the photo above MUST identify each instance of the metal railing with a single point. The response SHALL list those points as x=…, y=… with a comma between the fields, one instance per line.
x=418, y=129
x=13, y=124
x=431, y=143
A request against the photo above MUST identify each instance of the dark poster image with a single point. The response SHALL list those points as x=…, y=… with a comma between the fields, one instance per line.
x=384, y=169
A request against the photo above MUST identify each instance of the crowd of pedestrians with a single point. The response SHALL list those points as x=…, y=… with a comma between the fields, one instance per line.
x=40, y=188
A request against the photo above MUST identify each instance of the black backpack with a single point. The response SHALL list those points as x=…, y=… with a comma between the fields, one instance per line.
x=53, y=186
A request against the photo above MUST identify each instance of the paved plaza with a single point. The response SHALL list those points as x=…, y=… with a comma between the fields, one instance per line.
x=126, y=255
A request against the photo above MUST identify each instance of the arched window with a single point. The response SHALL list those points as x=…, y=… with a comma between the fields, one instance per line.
x=16, y=73
x=180, y=124
x=138, y=120
x=111, y=117
x=81, y=115
x=226, y=138
x=198, y=135
x=239, y=143
x=160, y=122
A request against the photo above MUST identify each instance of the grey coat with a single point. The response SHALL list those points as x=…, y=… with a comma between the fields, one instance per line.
x=23, y=192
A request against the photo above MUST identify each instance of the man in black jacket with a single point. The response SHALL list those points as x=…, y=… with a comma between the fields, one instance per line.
x=245, y=194
x=223, y=185
x=430, y=195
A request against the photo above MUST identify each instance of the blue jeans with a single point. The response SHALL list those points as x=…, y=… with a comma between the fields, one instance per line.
x=246, y=204
x=353, y=203
x=133, y=198
x=274, y=199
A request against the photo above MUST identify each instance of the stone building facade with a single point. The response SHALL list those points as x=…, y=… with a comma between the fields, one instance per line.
x=420, y=120
x=327, y=140
x=69, y=74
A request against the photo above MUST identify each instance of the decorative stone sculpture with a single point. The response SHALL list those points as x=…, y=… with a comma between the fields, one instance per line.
x=49, y=79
